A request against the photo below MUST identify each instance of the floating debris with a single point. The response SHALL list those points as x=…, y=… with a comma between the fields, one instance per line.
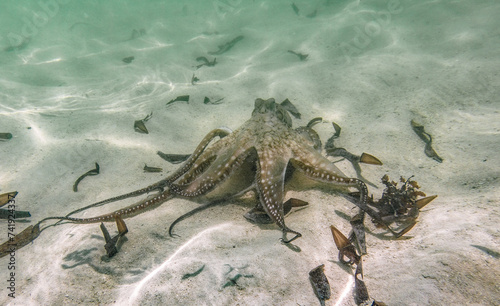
x=427, y=138
x=128, y=60
x=91, y=172
x=208, y=101
x=291, y=108
x=152, y=169
x=195, y=273
x=6, y=197
x=20, y=240
x=345, y=247
x=205, y=62
x=227, y=46
x=179, y=99
x=301, y=56
x=194, y=79
x=5, y=136
x=140, y=126
x=320, y=284
x=173, y=158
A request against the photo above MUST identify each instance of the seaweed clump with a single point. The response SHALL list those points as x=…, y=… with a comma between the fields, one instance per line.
x=401, y=204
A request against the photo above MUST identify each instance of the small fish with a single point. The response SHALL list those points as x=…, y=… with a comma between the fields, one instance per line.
x=301, y=56
x=227, y=46
x=173, y=158
x=5, y=136
x=6, y=197
x=128, y=60
x=195, y=273
x=290, y=108
x=91, y=172
x=320, y=284
x=179, y=98
x=140, y=126
x=152, y=169
x=295, y=9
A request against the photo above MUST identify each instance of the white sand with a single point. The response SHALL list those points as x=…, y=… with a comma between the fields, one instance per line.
x=436, y=62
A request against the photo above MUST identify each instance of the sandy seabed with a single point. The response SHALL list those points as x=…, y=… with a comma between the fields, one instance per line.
x=70, y=101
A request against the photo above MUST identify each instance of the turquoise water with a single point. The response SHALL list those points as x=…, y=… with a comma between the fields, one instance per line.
x=76, y=75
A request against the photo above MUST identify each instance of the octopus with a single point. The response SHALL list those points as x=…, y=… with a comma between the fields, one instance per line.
x=266, y=146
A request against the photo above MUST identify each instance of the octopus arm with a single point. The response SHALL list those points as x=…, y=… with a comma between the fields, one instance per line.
x=270, y=180
x=198, y=152
x=206, y=178
x=318, y=167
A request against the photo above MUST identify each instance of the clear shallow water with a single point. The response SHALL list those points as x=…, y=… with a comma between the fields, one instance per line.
x=372, y=66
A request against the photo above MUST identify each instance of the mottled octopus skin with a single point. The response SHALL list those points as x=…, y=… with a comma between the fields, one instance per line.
x=266, y=139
